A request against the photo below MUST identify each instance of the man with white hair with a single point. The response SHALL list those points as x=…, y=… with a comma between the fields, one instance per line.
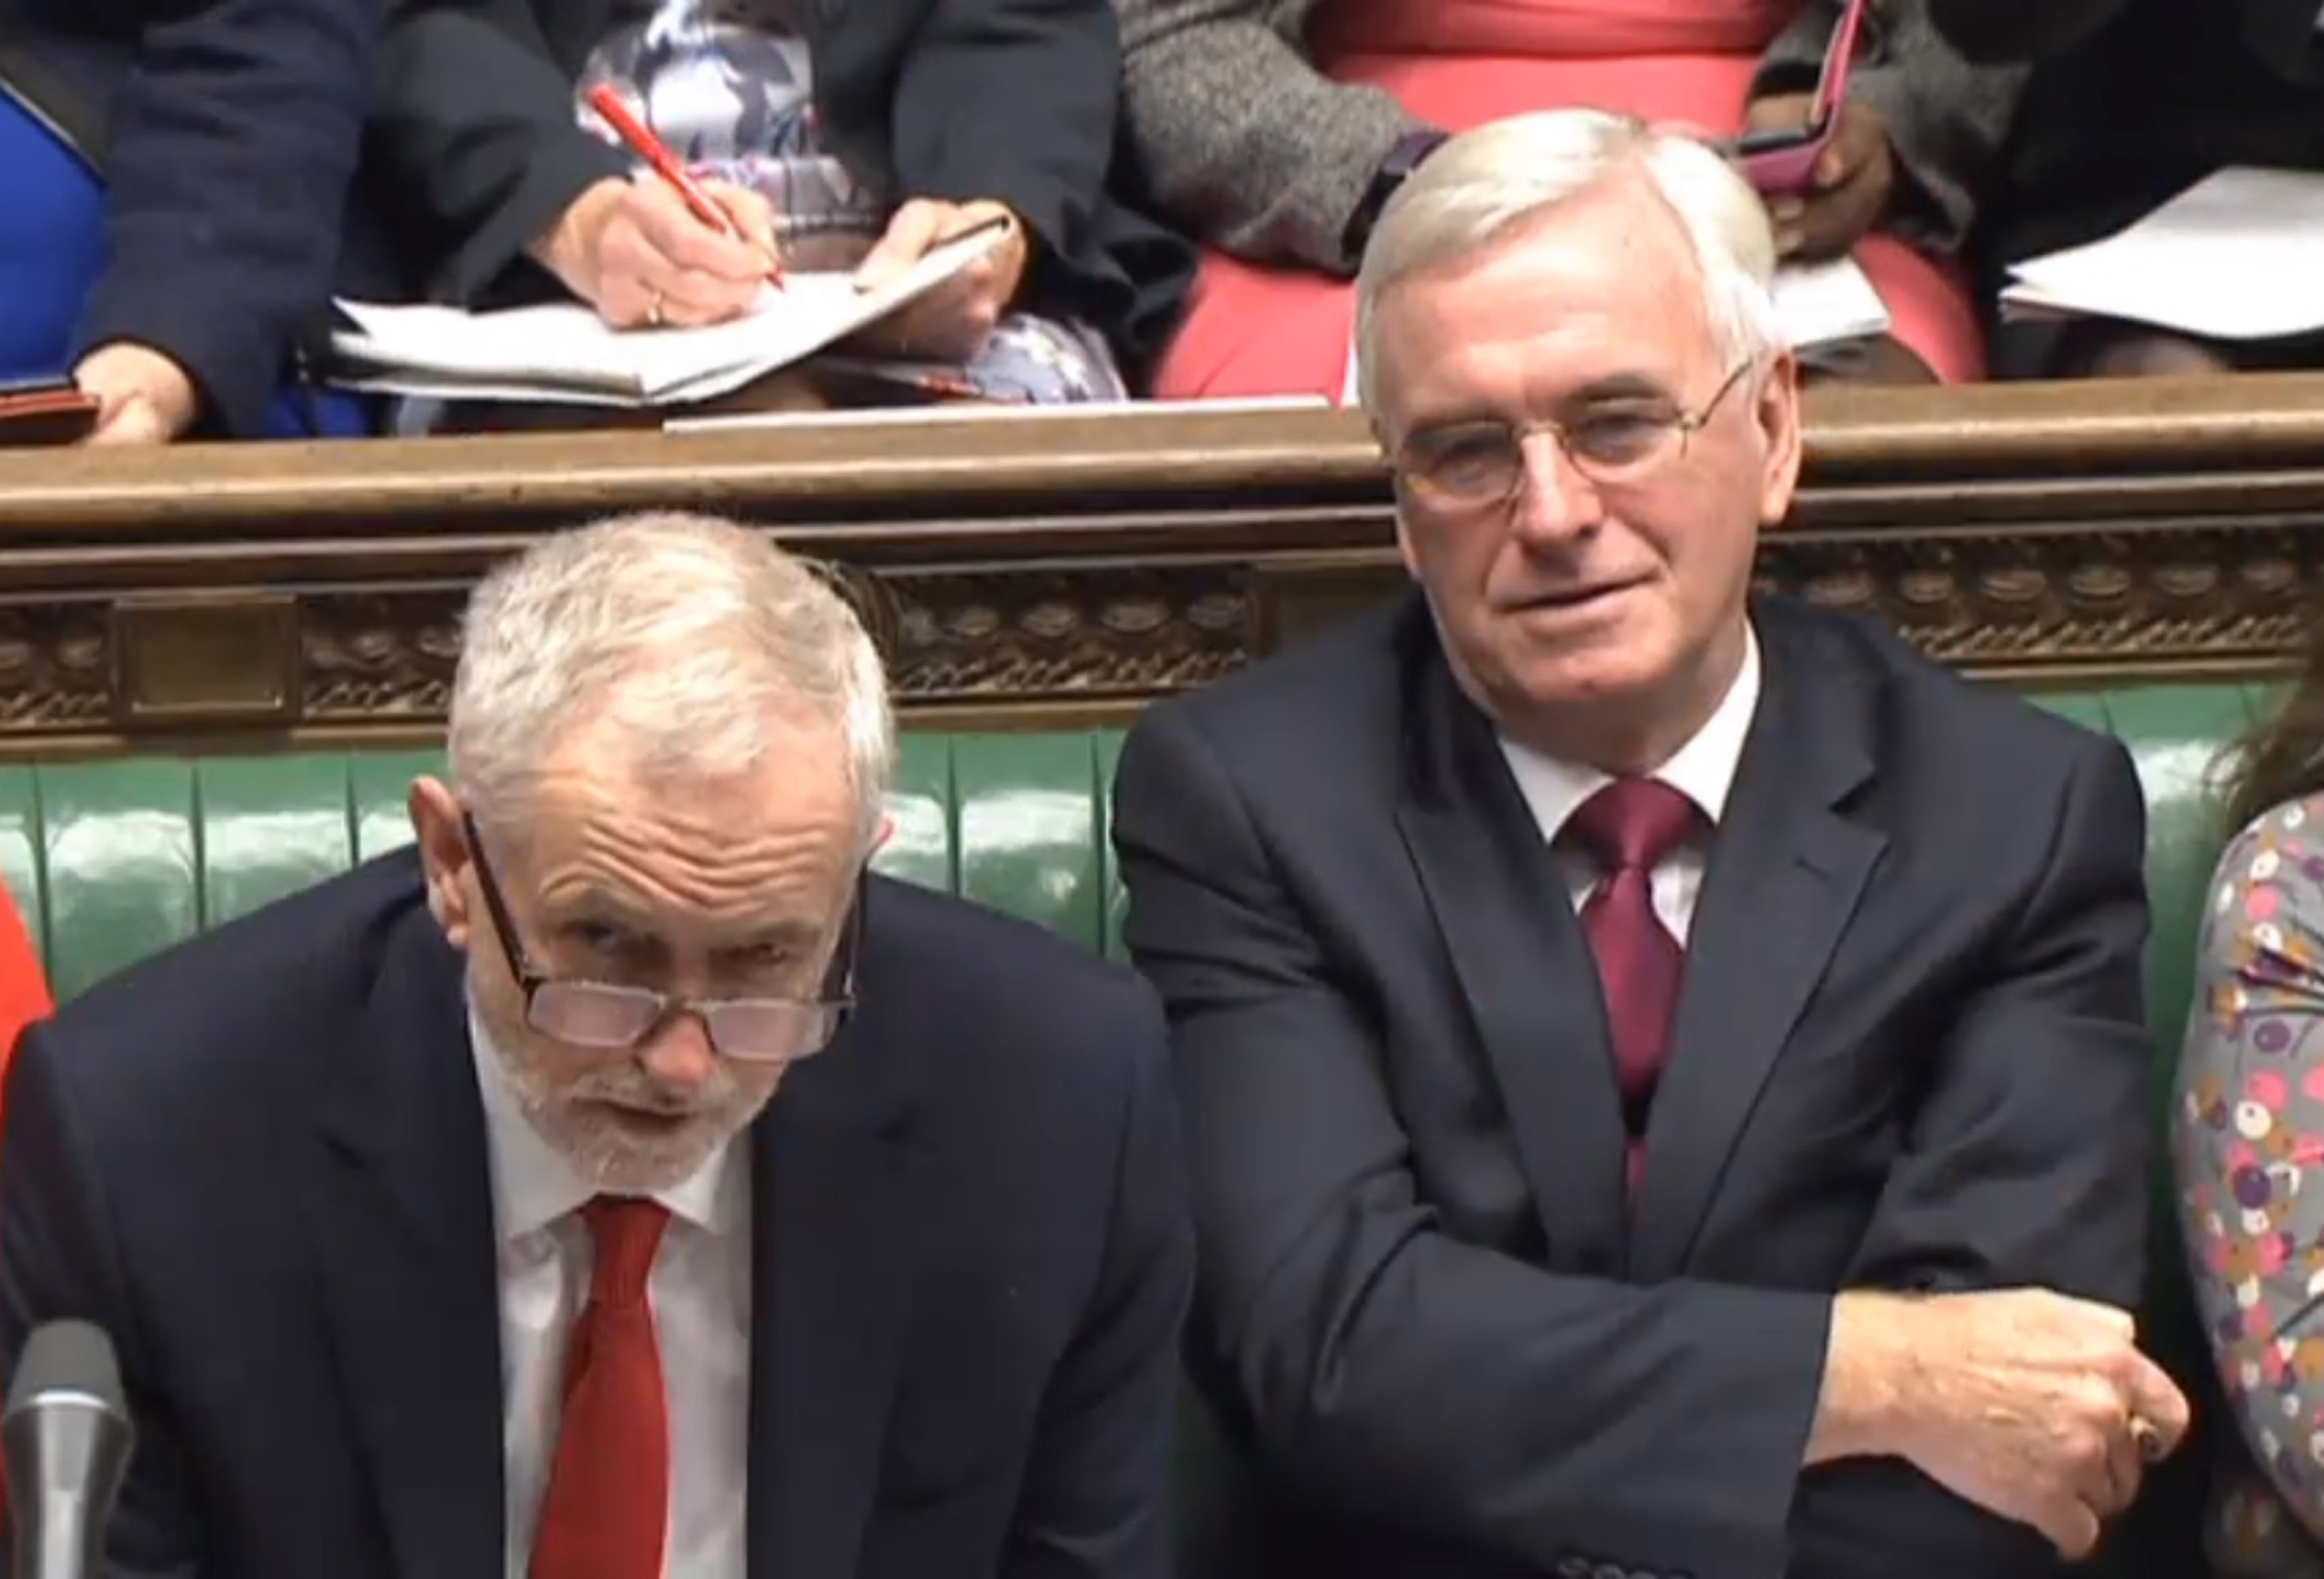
x=1663, y=1068
x=624, y=1182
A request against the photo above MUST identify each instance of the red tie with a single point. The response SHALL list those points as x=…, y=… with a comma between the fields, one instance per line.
x=608, y=1498
x=1628, y=828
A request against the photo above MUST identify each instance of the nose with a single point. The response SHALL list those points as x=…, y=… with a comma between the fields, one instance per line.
x=1554, y=501
x=680, y=1057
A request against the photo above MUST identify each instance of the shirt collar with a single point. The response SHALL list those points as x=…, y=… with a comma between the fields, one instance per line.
x=1703, y=770
x=533, y=1187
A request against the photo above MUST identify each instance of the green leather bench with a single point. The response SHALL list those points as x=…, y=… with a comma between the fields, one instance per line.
x=112, y=860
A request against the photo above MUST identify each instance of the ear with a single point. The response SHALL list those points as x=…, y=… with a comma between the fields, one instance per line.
x=882, y=834
x=1777, y=413
x=439, y=830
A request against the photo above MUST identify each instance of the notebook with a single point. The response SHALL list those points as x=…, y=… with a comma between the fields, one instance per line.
x=52, y=411
x=563, y=353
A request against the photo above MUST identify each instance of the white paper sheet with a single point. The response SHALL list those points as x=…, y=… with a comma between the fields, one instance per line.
x=564, y=352
x=1823, y=304
x=2239, y=255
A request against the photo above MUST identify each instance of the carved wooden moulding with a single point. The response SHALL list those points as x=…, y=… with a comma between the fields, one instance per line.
x=1016, y=573
x=2021, y=605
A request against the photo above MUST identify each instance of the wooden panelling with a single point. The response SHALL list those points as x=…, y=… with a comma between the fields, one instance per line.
x=1070, y=567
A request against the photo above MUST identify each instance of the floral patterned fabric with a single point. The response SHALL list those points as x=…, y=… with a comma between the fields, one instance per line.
x=2248, y=1137
x=727, y=85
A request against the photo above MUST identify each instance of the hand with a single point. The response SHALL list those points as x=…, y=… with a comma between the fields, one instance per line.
x=634, y=251
x=951, y=322
x=1850, y=188
x=2031, y=1404
x=141, y=396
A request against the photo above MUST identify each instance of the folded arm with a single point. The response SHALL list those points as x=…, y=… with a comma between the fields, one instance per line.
x=2026, y=1158
x=1384, y=1365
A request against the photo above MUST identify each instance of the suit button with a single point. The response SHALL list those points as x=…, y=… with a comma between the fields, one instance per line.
x=1609, y=1571
x=1573, y=1568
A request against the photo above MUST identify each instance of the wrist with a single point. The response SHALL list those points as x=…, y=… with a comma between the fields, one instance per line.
x=1395, y=168
x=1864, y=1408
x=569, y=247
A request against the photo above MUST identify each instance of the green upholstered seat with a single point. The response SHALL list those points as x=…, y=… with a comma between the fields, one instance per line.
x=112, y=860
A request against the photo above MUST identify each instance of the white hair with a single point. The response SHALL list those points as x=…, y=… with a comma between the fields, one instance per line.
x=696, y=638
x=1480, y=183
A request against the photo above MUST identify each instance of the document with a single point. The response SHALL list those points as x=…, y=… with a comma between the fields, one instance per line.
x=564, y=352
x=2236, y=256
x=1823, y=304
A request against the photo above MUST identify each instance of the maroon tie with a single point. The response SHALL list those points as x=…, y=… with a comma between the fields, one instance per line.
x=1628, y=828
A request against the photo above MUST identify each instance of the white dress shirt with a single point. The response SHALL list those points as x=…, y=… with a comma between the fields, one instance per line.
x=700, y=1291
x=1703, y=770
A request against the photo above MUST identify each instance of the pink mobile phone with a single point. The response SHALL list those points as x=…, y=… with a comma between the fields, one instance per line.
x=1777, y=162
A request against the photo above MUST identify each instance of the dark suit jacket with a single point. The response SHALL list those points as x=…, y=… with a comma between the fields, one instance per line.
x=259, y=1163
x=2012, y=30
x=1009, y=99
x=2136, y=100
x=227, y=134
x=1908, y=1054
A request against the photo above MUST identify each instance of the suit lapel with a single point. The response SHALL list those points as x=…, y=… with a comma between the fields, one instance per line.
x=401, y=1208
x=833, y=1254
x=1785, y=874
x=1525, y=969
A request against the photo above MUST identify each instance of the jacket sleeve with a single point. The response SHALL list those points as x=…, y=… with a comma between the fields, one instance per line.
x=232, y=145
x=478, y=133
x=60, y=1259
x=2019, y=30
x=1241, y=140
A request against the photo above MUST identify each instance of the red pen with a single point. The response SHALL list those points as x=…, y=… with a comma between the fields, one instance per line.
x=641, y=142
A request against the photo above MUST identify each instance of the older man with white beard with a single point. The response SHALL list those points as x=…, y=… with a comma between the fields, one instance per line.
x=623, y=1181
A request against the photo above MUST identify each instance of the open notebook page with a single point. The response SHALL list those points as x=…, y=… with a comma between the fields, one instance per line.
x=563, y=351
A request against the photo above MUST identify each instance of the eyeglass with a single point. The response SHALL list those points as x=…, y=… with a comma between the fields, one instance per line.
x=1470, y=465
x=605, y=1014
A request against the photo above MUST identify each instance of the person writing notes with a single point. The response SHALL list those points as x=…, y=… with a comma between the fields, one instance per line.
x=623, y=1181
x=837, y=136
x=1665, y=1075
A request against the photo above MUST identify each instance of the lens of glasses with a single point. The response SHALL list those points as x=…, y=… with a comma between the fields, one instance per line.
x=1480, y=463
x=763, y=1028
x=596, y=1015
x=590, y=1014
x=1620, y=445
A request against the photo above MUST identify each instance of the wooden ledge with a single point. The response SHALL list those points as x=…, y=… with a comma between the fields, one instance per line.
x=1028, y=570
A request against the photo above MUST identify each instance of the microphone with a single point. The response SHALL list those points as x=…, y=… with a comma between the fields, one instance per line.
x=66, y=1437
